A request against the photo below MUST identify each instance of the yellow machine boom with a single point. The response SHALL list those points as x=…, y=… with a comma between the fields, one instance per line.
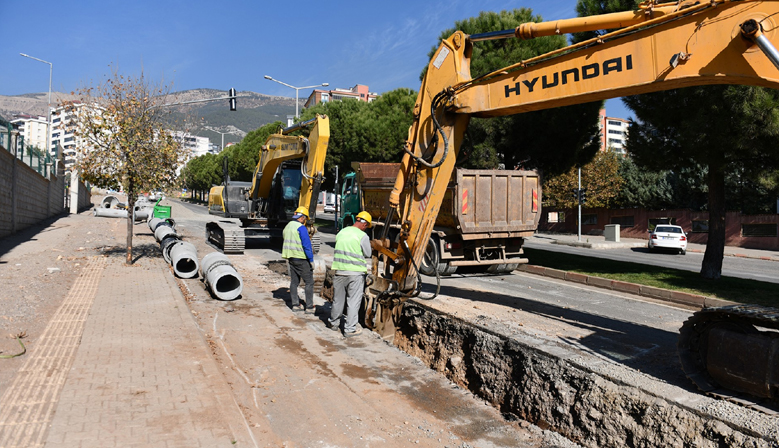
x=658, y=47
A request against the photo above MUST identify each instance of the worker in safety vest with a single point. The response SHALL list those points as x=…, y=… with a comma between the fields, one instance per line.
x=350, y=263
x=299, y=254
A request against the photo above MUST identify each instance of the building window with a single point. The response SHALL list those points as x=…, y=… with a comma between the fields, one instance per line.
x=614, y=131
x=556, y=217
x=590, y=220
x=615, y=123
x=700, y=226
x=623, y=221
x=615, y=140
x=759, y=230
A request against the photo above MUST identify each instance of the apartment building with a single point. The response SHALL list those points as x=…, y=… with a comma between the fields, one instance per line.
x=359, y=92
x=33, y=128
x=63, y=133
x=613, y=133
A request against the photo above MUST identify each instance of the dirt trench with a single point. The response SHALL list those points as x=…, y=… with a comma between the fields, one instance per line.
x=574, y=396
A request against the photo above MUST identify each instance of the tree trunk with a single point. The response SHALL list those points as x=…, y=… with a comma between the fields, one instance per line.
x=130, y=223
x=715, y=246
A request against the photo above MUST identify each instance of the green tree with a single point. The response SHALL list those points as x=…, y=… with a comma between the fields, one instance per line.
x=733, y=129
x=720, y=129
x=551, y=140
x=119, y=126
x=365, y=132
x=643, y=188
x=599, y=177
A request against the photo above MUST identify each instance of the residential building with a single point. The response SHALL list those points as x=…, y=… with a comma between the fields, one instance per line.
x=195, y=145
x=613, y=133
x=358, y=92
x=63, y=134
x=33, y=128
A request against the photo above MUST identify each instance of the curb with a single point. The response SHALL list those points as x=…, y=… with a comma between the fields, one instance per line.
x=682, y=298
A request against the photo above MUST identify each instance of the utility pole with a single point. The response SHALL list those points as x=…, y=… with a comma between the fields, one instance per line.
x=337, y=202
x=579, y=200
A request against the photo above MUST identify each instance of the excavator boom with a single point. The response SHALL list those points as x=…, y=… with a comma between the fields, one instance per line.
x=658, y=47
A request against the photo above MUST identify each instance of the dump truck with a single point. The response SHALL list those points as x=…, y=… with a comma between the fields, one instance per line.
x=483, y=221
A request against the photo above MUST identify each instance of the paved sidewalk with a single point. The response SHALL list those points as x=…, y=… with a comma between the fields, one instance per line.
x=599, y=242
x=142, y=374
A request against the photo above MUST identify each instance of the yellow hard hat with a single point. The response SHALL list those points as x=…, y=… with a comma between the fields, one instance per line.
x=300, y=211
x=366, y=216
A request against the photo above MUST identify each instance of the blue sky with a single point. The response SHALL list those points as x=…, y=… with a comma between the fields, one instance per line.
x=198, y=44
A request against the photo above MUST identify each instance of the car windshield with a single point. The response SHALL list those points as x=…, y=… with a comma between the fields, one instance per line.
x=664, y=229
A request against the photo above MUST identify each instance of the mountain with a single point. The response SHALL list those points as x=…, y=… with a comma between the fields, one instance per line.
x=203, y=119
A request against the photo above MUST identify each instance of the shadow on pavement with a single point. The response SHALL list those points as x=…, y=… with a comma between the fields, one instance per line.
x=9, y=242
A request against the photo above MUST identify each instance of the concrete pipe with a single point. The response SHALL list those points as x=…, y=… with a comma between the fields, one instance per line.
x=163, y=232
x=221, y=277
x=167, y=244
x=183, y=258
x=110, y=213
x=155, y=223
x=110, y=202
x=141, y=213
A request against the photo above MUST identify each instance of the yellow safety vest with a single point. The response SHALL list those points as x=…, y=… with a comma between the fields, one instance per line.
x=348, y=252
x=293, y=247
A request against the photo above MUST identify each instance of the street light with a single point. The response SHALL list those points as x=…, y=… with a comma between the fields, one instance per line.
x=48, y=108
x=297, y=90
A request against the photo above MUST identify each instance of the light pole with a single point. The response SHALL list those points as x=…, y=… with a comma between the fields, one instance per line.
x=297, y=90
x=48, y=108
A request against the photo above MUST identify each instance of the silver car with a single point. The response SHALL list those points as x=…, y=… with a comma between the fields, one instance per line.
x=669, y=237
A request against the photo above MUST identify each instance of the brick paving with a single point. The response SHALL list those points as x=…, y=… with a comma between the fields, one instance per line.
x=142, y=374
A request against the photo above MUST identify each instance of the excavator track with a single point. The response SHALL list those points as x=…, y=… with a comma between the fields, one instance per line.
x=732, y=353
x=226, y=235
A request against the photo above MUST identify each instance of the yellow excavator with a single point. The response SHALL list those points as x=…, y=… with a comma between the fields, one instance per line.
x=288, y=175
x=659, y=46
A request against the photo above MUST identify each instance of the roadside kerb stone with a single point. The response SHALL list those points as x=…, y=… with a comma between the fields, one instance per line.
x=576, y=277
x=679, y=297
x=600, y=282
x=630, y=288
x=531, y=268
x=555, y=273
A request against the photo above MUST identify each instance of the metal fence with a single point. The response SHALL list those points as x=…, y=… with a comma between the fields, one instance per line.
x=37, y=159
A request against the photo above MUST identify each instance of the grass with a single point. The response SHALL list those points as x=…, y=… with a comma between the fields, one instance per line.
x=727, y=288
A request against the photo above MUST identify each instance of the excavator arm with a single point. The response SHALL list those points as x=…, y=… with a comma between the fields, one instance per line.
x=662, y=47
x=280, y=147
x=658, y=47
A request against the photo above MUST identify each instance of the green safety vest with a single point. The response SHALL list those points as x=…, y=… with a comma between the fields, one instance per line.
x=348, y=252
x=293, y=247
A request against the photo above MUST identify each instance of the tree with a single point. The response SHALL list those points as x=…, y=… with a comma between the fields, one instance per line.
x=733, y=129
x=599, y=177
x=551, y=140
x=366, y=132
x=643, y=188
x=123, y=142
x=720, y=129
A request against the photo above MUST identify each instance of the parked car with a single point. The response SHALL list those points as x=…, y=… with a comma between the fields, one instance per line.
x=329, y=208
x=669, y=237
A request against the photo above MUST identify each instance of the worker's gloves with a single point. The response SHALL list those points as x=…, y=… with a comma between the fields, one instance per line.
x=369, y=279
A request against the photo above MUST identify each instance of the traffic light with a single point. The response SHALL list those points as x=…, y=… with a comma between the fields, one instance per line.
x=233, y=101
x=582, y=195
x=575, y=192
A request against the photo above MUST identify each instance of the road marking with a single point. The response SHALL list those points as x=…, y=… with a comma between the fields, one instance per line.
x=29, y=403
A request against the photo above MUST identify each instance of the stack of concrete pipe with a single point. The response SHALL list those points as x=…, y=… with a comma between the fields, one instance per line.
x=218, y=273
x=221, y=277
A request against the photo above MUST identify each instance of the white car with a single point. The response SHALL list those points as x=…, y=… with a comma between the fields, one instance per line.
x=329, y=208
x=669, y=237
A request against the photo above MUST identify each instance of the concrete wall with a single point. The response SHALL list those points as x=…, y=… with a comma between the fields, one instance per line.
x=27, y=198
x=733, y=224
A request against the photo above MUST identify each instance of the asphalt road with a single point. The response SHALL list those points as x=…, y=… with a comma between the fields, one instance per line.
x=748, y=268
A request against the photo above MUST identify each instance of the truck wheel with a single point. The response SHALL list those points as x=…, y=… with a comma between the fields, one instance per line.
x=496, y=268
x=510, y=267
x=431, y=258
x=446, y=269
